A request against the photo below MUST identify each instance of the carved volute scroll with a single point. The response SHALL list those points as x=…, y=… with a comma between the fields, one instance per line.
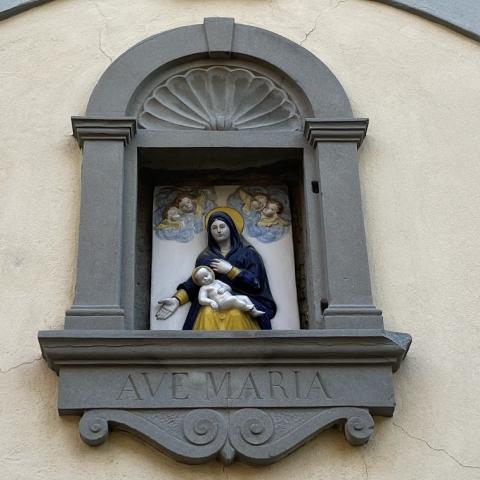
x=219, y=98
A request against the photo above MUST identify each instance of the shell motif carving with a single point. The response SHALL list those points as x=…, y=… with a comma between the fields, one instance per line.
x=219, y=98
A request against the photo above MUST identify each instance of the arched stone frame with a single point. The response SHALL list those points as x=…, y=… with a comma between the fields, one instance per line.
x=345, y=359
x=338, y=266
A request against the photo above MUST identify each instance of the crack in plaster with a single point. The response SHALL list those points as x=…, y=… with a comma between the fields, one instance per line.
x=271, y=6
x=366, y=467
x=307, y=34
x=339, y=2
x=311, y=31
x=30, y=362
x=135, y=344
x=441, y=450
x=100, y=35
x=224, y=470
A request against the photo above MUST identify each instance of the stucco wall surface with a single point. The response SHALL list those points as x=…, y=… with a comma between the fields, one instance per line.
x=418, y=83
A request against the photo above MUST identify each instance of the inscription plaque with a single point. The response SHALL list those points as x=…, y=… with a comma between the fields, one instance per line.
x=233, y=387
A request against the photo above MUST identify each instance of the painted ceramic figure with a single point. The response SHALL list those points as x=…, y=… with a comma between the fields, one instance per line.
x=172, y=218
x=188, y=205
x=252, y=203
x=218, y=294
x=270, y=215
x=235, y=263
x=265, y=209
x=178, y=213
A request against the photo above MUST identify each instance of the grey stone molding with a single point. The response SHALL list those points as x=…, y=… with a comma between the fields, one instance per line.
x=97, y=128
x=112, y=97
x=252, y=396
x=78, y=348
x=197, y=100
x=219, y=33
x=349, y=130
x=98, y=291
x=463, y=16
x=9, y=8
x=251, y=435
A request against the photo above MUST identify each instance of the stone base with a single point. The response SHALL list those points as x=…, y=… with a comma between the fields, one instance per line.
x=251, y=395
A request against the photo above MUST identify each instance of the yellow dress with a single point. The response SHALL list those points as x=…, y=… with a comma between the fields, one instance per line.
x=231, y=319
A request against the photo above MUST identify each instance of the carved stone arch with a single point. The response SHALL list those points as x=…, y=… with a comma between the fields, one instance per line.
x=336, y=370
x=218, y=38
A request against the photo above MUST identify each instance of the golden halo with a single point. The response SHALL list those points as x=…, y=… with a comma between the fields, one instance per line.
x=235, y=215
x=196, y=269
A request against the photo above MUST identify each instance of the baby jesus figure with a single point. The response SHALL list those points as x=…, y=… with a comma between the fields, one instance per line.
x=217, y=294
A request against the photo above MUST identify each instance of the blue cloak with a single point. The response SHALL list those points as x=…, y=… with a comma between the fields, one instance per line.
x=251, y=281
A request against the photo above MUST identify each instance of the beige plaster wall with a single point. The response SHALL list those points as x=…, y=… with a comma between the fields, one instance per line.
x=418, y=83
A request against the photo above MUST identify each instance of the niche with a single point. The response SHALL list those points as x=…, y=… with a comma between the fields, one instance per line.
x=217, y=175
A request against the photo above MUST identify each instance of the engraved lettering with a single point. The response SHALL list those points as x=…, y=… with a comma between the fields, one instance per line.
x=297, y=384
x=318, y=385
x=252, y=388
x=133, y=389
x=217, y=386
x=210, y=379
x=153, y=391
x=177, y=383
x=276, y=384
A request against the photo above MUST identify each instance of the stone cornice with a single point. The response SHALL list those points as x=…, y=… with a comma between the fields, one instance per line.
x=351, y=130
x=94, y=347
x=96, y=128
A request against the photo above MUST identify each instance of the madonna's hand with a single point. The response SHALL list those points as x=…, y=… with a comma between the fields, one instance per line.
x=166, y=308
x=221, y=266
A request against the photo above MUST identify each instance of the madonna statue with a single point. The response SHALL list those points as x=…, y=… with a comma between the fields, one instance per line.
x=239, y=266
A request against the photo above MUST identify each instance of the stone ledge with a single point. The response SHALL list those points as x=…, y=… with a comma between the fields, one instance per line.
x=336, y=346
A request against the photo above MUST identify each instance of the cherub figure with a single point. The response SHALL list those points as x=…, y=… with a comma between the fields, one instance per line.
x=217, y=294
x=172, y=219
x=187, y=204
x=255, y=202
x=270, y=214
x=178, y=212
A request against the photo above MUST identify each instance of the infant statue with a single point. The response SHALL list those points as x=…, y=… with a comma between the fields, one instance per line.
x=217, y=294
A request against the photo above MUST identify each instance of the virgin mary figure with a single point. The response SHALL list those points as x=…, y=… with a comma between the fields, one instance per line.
x=235, y=263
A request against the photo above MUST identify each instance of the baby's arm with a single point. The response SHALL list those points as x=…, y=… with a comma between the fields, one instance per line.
x=203, y=298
